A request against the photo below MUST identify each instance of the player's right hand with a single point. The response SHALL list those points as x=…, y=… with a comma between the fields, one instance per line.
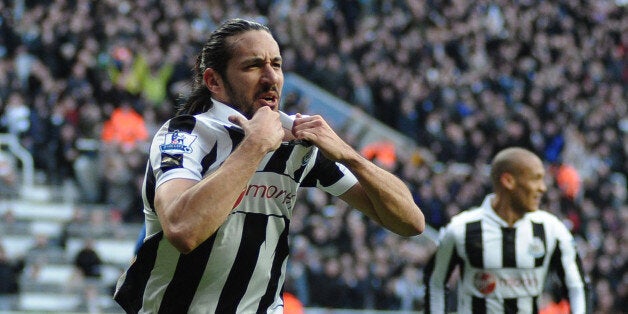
x=263, y=129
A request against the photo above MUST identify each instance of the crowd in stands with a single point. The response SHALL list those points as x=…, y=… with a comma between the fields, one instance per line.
x=84, y=85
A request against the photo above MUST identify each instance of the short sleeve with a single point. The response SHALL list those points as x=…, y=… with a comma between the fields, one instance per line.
x=329, y=176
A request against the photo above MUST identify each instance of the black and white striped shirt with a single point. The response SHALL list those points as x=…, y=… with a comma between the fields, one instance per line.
x=502, y=268
x=241, y=268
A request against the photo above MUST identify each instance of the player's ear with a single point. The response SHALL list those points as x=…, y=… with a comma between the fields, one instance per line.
x=213, y=81
x=507, y=180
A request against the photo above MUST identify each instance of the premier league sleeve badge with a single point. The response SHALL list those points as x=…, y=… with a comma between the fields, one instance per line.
x=176, y=143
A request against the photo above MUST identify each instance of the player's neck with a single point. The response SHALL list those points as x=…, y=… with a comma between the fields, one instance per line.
x=505, y=211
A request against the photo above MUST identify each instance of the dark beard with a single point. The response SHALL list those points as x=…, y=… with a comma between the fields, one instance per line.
x=240, y=104
x=237, y=102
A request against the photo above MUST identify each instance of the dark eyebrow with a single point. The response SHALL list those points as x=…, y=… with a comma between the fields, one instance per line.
x=257, y=60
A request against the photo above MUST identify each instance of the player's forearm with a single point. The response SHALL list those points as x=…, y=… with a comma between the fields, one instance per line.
x=202, y=209
x=392, y=202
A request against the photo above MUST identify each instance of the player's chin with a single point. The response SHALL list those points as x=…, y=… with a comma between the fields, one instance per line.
x=272, y=103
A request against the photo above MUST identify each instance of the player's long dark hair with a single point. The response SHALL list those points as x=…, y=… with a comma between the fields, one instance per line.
x=216, y=54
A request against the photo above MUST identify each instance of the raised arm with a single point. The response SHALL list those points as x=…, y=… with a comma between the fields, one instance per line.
x=379, y=194
x=191, y=211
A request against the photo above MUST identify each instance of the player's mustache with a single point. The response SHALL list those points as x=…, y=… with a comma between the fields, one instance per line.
x=266, y=89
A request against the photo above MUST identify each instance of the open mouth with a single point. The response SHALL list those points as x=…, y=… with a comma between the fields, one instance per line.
x=268, y=100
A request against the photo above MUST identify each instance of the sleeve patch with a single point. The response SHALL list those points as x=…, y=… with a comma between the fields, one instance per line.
x=177, y=142
x=169, y=162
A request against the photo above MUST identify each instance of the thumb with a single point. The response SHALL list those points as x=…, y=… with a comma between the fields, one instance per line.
x=237, y=120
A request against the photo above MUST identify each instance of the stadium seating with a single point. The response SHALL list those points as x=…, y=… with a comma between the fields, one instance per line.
x=49, y=281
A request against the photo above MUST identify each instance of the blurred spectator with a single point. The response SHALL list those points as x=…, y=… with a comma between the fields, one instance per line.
x=291, y=304
x=9, y=287
x=125, y=128
x=329, y=292
x=408, y=288
x=23, y=64
x=381, y=153
x=554, y=305
x=76, y=226
x=88, y=261
x=15, y=115
x=568, y=180
x=44, y=250
x=9, y=187
x=90, y=300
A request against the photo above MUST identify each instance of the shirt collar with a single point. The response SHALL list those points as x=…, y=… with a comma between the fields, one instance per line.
x=221, y=112
x=490, y=212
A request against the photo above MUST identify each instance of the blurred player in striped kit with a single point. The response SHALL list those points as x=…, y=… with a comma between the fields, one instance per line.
x=505, y=247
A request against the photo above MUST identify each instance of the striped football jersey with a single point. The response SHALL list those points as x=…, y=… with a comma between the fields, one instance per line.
x=503, y=268
x=241, y=267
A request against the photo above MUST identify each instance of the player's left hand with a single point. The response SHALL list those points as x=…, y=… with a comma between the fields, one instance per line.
x=317, y=131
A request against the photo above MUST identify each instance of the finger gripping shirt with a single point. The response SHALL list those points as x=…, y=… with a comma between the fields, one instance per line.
x=503, y=269
x=241, y=267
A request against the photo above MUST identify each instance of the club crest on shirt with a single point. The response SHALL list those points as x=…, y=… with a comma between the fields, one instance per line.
x=536, y=248
x=177, y=142
x=485, y=282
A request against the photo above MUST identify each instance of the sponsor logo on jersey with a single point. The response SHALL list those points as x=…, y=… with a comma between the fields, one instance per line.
x=536, y=248
x=268, y=192
x=177, y=142
x=485, y=282
x=237, y=202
